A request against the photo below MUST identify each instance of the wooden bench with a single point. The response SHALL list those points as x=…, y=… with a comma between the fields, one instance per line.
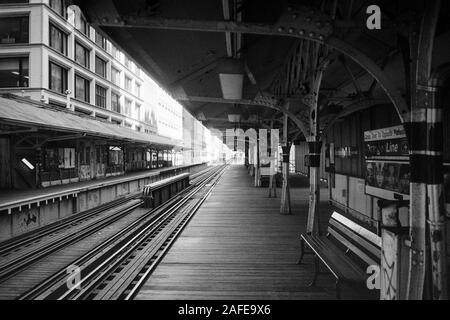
x=346, y=251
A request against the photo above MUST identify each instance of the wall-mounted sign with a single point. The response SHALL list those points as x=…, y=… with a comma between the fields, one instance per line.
x=396, y=132
x=389, y=143
x=387, y=163
x=346, y=152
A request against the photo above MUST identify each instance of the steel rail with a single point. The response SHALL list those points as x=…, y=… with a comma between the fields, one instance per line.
x=105, y=267
x=14, y=244
x=132, y=290
x=62, y=274
x=9, y=246
x=20, y=263
x=28, y=258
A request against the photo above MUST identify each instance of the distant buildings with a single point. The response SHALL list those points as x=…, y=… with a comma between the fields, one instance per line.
x=49, y=53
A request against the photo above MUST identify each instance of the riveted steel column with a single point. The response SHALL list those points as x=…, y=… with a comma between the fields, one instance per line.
x=285, y=207
x=427, y=197
x=436, y=206
x=274, y=143
x=314, y=185
x=257, y=164
x=38, y=167
x=427, y=257
x=272, y=179
x=285, y=190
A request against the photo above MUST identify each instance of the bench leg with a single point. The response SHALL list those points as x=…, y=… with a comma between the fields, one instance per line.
x=316, y=271
x=302, y=251
x=338, y=289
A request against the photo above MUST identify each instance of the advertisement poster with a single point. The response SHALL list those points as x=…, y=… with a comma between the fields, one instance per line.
x=61, y=158
x=387, y=180
x=69, y=158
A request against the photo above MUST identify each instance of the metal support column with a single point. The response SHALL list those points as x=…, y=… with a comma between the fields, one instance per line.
x=257, y=164
x=285, y=207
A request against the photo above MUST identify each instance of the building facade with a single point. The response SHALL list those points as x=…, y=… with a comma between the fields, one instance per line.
x=50, y=54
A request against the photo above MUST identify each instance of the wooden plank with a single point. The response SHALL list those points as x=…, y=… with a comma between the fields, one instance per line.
x=372, y=237
x=376, y=251
x=353, y=248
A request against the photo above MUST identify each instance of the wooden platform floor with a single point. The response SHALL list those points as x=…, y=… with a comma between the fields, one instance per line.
x=238, y=246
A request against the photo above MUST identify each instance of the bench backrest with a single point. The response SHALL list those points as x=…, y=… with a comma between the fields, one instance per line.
x=362, y=242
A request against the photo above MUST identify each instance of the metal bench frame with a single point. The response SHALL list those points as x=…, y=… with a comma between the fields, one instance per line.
x=368, y=246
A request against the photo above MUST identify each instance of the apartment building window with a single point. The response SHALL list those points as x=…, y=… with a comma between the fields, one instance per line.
x=138, y=71
x=127, y=62
x=59, y=7
x=100, y=96
x=100, y=66
x=100, y=40
x=114, y=51
x=147, y=118
x=128, y=107
x=14, y=72
x=57, y=78
x=115, y=76
x=81, y=88
x=14, y=30
x=137, y=111
x=138, y=90
x=81, y=54
x=115, y=102
x=128, y=83
x=58, y=39
x=84, y=26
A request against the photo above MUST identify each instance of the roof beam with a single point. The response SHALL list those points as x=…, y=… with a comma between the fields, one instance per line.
x=32, y=129
x=208, y=67
x=189, y=25
x=292, y=23
x=295, y=22
x=226, y=16
x=217, y=100
x=261, y=101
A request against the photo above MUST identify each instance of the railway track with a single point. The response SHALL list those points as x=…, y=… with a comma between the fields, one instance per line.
x=118, y=267
x=10, y=246
x=22, y=252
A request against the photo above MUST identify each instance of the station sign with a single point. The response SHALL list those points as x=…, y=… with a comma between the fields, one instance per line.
x=387, y=163
x=388, y=143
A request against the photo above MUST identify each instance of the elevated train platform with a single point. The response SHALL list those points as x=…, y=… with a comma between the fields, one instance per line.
x=109, y=111
x=11, y=199
x=238, y=246
x=23, y=211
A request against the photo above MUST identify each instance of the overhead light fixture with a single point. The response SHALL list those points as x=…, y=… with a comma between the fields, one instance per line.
x=253, y=118
x=201, y=116
x=231, y=77
x=27, y=163
x=234, y=118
